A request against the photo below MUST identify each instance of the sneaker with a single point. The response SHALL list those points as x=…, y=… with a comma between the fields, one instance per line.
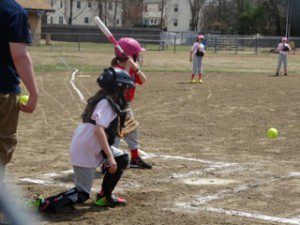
x=139, y=163
x=36, y=203
x=193, y=81
x=285, y=74
x=112, y=201
x=276, y=74
x=200, y=81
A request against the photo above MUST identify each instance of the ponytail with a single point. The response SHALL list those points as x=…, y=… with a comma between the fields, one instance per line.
x=115, y=61
x=91, y=105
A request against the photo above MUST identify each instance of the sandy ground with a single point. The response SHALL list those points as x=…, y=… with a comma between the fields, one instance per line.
x=213, y=162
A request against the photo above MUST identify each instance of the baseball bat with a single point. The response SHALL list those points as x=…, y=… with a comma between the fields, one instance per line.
x=108, y=34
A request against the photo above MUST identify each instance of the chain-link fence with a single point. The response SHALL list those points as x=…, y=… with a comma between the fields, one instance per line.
x=168, y=41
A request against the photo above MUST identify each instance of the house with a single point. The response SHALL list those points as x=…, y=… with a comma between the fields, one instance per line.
x=170, y=15
x=35, y=11
x=82, y=12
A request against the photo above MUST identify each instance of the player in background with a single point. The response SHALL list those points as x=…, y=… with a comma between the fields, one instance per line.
x=92, y=142
x=283, y=49
x=132, y=48
x=196, y=56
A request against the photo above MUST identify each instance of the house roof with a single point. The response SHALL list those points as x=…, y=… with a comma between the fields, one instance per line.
x=35, y=4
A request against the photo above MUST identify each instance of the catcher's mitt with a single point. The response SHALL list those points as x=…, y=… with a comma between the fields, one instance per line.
x=130, y=126
x=285, y=48
x=199, y=53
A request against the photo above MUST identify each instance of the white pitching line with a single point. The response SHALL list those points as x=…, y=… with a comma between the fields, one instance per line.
x=255, y=216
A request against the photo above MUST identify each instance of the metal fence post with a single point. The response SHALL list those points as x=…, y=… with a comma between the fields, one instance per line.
x=215, y=44
x=78, y=42
x=256, y=45
x=236, y=45
x=175, y=43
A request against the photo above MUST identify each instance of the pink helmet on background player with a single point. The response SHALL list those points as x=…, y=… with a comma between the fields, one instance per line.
x=284, y=39
x=200, y=36
x=130, y=46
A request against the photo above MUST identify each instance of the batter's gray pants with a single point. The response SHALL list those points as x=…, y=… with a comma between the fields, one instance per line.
x=197, y=64
x=282, y=59
x=131, y=139
x=83, y=177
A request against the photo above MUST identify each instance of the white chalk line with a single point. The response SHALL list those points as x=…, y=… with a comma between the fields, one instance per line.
x=48, y=178
x=82, y=99
x=199, y=202
x=293, y=220
x=72, y=81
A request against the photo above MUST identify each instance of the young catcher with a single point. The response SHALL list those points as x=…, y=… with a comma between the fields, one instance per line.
x=283, y=49
x=132, y=48
x=196, y=55
x=91, y=145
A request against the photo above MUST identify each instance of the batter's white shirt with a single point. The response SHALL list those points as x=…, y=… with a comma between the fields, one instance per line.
x=280, y=47
x=85, y=147
x=196, y=46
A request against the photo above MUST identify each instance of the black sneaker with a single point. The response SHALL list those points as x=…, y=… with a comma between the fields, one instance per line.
x=139, y=164
x=276, y=74
x=285, y=74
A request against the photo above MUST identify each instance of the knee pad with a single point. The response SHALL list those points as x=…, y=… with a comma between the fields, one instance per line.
x=122, y=161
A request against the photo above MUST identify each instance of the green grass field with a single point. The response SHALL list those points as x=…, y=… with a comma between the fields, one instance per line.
x=93, y=57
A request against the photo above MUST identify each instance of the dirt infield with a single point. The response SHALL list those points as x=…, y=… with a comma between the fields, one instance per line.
x=213, y=162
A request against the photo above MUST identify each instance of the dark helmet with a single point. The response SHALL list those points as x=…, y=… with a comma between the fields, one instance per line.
x=112, y=80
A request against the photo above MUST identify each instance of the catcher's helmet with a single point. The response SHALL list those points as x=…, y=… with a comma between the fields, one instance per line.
x=113, y=80
x=130, y=46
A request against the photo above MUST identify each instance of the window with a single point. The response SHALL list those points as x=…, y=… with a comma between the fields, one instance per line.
x=175, y=22
x=51, y=19
x=118, y=21
x=86, y=20
x=78, y=4
x=61, y=4
x=61, y=20
x=109, y=6
x=90, y=4
x=51, y=3
x=176, y=8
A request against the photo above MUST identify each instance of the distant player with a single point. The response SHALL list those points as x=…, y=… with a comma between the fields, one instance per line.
x=132, y=48
x=196, y=56
x=283, y=49
x=91, y=145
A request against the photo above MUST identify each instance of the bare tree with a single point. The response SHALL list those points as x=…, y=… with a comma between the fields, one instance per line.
x=115, y=13
x=67, y=10
x=162, y=22
x=195, y=10
x=132, y=12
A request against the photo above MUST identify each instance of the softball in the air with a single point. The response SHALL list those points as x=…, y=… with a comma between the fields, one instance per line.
x=272, y=133
x=23, y=99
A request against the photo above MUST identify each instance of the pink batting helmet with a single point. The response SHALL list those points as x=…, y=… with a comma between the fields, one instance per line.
x=130, y=46
x=200, y=36
x=284, y=39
